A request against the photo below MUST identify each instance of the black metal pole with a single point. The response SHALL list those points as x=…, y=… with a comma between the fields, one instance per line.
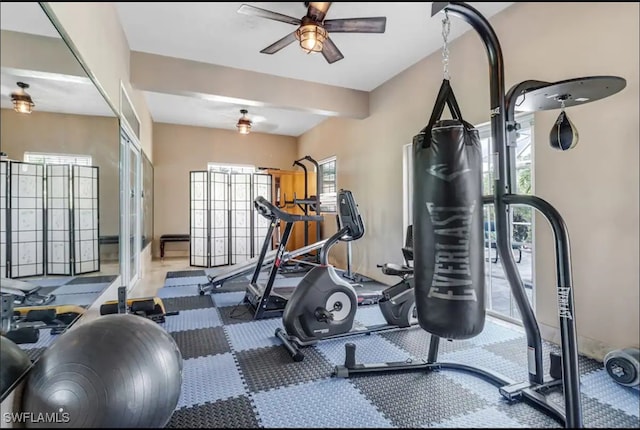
x=568, y=337
x=306, y=197
x=318, y=190
x=513, y=127
x=573, y=409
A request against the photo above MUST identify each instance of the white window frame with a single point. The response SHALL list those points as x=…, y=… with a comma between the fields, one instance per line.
x=231, y=168
x=329, y=200
x=57, y=158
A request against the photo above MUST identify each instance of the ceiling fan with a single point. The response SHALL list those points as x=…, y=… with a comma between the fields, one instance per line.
x=313, y=30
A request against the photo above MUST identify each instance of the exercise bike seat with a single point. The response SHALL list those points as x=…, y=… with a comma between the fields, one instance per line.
x=396, y=270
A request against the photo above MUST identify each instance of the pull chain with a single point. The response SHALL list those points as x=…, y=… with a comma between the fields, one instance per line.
x=446, y=27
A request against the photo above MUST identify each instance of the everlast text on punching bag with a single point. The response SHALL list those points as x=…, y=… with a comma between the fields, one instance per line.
x=448, y=224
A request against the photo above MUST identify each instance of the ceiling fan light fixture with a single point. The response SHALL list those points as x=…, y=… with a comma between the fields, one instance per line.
x=311, y=37
x=244, y=123
x=22, y=102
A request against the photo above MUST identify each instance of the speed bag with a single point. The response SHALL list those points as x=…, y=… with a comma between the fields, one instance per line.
x=448, y=239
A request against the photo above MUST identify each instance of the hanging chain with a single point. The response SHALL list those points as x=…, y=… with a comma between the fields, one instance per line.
x=446, y=27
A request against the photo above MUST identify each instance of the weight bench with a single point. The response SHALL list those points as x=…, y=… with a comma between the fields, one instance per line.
x=172, y=238
x=108, y=240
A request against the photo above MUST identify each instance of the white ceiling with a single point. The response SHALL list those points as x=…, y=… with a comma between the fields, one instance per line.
x=26, y=17
x=51, y=92
x=174, y=109
x=215, y=33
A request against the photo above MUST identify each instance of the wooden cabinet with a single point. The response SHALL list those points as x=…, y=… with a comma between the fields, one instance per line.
x=287, y=185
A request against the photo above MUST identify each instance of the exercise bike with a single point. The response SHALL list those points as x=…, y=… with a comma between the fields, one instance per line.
x=324, y=305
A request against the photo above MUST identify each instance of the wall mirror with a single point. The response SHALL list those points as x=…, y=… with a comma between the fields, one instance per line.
x=59, y=183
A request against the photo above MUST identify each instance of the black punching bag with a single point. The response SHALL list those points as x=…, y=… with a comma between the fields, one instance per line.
x=448, y=224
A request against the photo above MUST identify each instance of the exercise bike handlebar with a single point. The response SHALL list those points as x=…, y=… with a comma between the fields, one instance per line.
x=272, y=212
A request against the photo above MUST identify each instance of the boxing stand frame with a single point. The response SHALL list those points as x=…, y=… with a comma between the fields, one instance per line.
x=502, y=119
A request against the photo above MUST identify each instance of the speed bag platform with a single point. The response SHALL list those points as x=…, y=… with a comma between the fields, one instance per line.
x=448, y=231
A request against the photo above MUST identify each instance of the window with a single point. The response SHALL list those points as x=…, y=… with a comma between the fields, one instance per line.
x=500, y=301
x=129, y=113
x=48, y=158
x=231, y=168
x=329, y=184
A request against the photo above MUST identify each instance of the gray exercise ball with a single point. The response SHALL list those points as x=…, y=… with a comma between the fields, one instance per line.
x=13, y=363
x=118, y=370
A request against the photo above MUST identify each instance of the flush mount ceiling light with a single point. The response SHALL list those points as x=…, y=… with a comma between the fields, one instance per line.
x=244, y=123
x=22, y=102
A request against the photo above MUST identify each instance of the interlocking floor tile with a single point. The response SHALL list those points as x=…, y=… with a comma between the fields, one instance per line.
x=179, y=291
x=186, y=280
x=247, y=379
x=480, y=357
x=336, y=404
x=236, y=412
x=493, y=333
x=103, y=279
x=201, y=342
x=236, y=314
x=601, y=387
x=416, y=342
x=185, y=273
x=527, y=415
x=483, y=418
x=370, y=348
x=187, y=303
x=228, y=299
x=208, y=379
x=192, y=319
x=80, y=288
x=272, y=367
x=253, y=334
x=417, y=399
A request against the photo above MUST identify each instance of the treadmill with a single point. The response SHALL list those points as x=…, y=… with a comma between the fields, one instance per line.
x=264, y=301
x=246, y=267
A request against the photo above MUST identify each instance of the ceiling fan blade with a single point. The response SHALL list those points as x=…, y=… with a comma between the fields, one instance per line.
x=263, y=13
x=356, y=25
x=331, y=52
x=282, y=43
x=318, y=10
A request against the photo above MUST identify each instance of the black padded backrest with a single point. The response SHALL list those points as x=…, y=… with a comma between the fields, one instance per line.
x=349, y=216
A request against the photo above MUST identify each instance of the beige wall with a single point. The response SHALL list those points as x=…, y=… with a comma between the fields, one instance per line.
x=96, y=136
x=595, y=186
x=179, y=149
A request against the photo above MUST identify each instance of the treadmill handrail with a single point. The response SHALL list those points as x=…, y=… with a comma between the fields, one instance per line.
x=270, y=211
